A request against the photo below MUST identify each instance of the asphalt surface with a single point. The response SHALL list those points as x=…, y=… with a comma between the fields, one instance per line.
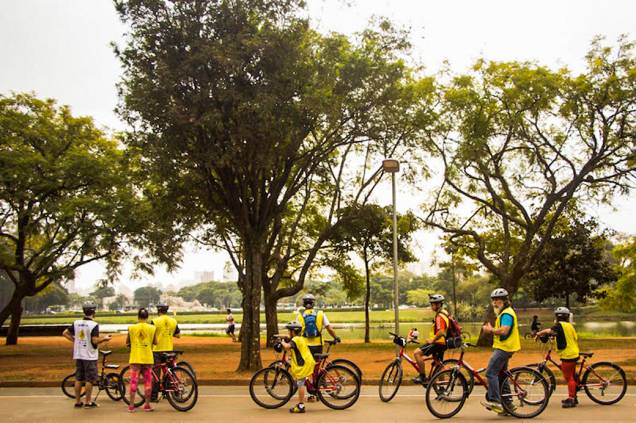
x=231, y=404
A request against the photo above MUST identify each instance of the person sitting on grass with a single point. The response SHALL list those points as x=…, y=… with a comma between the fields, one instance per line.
x=435, y=345
x=84, y=334
x=302, y=362
x=141, y=337
x=568, y=350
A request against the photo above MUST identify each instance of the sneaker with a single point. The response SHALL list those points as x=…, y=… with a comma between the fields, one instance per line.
x=131, y=408
x=311, y=398
x=148, y=408
x=493, y=406
x=505, y=413
x=91, y=405
x=78, y=405
x=298, y=408
x=568, y=403
x=420, y=380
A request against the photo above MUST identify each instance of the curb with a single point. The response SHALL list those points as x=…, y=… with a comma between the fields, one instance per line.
x=201, y=382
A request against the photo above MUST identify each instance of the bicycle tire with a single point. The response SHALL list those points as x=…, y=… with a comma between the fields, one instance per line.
x=180, y=375
x=547, y=373
x=187, y=366
x=280, y=377
x=68, y=386
x=124, y=381
x=392, y=375
x=331, y=381
x=348, y=363
x=470, y=378
x=537, y=379
x=592, y=371
x=441, y=389
x=112, y=386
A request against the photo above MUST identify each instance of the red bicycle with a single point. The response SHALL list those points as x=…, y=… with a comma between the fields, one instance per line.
x=336, y=386
x=524, y=391
x=175, y=383
x=392, y=376
x=604, y=382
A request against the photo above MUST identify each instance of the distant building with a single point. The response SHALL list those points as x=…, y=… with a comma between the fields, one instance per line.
x=205, y=276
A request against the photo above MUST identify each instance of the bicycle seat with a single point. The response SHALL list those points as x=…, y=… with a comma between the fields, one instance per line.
x=165, y=355
x=320, y=356
x=112, y=366
x=586, y=354
x=105, y=353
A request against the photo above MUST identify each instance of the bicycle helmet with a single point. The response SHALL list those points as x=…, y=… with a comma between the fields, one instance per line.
x=89, y=308
x=162, y=307
x=294, y=327
x=309, y=301
x=436, y=298
x=499, y=293
x=562, y=311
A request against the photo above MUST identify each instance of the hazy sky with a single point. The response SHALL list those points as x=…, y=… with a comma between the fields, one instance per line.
x=61, y=49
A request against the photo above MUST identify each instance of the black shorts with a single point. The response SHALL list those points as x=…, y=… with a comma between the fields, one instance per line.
x=315, y=349
x=230, y=329
x=86, y=370
x=436, y=350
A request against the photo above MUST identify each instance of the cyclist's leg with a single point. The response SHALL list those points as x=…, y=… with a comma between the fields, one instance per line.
x=314, y=349
x=498, y=361
x=134, y=376
x=569, y=374
x=90, y=371
x=503, y=381
x=146, y=370
x=300, y=407
x=80, y=379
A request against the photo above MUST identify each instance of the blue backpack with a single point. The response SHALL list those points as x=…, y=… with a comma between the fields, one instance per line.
x=311, y=327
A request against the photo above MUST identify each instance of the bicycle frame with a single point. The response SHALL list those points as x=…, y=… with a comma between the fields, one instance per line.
x=475, y=372
x=403, y=355
x=548, y=359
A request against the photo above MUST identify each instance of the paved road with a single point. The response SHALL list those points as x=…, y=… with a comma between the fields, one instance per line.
x=232, y=404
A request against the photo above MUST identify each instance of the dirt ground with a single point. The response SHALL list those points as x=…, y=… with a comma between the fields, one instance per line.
x=49, y=359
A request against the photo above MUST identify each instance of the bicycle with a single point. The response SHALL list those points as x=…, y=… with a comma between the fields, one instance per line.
x=391, y=378
x=175, y=383
x=449, y=388
x=601, y=376
x=338, y=361
x=105, y=382
x=336, y=386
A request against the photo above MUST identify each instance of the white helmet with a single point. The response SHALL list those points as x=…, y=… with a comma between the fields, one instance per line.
x=436, y=298
x=499, y=293
x=562, y=311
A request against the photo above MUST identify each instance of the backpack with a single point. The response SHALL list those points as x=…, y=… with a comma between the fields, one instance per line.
x=311, y=326
x=453, y=333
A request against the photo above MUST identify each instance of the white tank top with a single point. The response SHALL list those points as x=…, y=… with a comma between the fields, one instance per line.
x=83, y=348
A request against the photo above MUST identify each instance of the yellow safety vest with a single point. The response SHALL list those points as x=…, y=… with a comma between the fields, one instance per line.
x=432, y=333
x=141, y=337
x=513, y=342
x=571, y=349
x=302, y=366
x=316, y=340
x=166, y=326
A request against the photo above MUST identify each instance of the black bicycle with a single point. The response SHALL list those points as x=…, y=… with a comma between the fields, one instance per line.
x=108, y=382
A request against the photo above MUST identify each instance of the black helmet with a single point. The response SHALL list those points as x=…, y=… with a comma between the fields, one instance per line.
x=436, y=298
x=309, y=301
x=294, y=327
x=162, y=307
x=89, y=308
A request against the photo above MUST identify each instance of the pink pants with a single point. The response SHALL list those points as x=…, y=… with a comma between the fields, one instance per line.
x=134, y=376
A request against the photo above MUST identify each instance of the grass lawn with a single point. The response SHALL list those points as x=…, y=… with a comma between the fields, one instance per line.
x=216, y=358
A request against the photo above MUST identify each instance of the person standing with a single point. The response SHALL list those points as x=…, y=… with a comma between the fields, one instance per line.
x=166, y=329
x=313, y=322
x=506, y=343
x=141, y=337
x=230, y=324
x=435, y=345
x=302, y=362
x=84, y=334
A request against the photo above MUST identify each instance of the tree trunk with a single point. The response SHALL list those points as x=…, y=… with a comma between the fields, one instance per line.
x=567, y=300
x=367, y=295
x=250, y=327
x=486, y=339
x=14, y=327
x=271, y=317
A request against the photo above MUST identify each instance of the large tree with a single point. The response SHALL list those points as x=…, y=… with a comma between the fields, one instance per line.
x=238, y=107
x=64, y=198
x=520, y=142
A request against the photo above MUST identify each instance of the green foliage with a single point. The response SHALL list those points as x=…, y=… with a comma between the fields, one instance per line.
x=419, y=297
x=54, y=294
x=214, y=294
x=120, y=301
x=147, y=295
x=622, y=296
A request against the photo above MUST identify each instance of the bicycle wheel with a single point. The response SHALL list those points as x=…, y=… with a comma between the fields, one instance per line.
x=605, y=383
x=124, y=384
x=524, y=392
x=446, y=393
x=470, y=378
x=338, y=387
x=181, y=388
x=271, y=387
x=68, y=386
x=112, y=386
x=187, y=366
x=390, y=381
x=547, y=373
x=350, y=364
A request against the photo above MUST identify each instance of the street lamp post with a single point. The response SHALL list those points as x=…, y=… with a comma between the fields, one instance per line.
x=392, y=166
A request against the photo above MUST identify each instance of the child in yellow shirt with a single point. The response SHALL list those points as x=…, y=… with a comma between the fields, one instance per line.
x=302, y=362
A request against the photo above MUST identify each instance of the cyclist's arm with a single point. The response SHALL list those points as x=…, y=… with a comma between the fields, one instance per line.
x=544, y=332
x=67, y=334
x=287, y=345
x=128, y=340
x=177, y=332
x=441, y=332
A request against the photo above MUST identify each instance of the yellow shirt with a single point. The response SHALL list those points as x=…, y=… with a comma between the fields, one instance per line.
x=440, y=322
x=302, y=361
x=511, y=342
x=166, y=327
x=316, y=340
x=141, y=337
x=571, y=350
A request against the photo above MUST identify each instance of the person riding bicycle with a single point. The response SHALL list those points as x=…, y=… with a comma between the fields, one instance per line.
x=506, y=343
x=435, y=345
x=568, y=350
x=313, y=322
x=141, y=337
x=84, y=334
x=167, y=328
x=302, y=361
